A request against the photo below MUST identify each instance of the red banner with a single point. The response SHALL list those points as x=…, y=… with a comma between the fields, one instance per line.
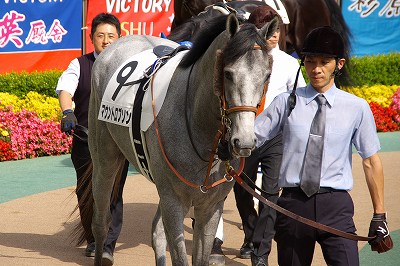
x=142, y=17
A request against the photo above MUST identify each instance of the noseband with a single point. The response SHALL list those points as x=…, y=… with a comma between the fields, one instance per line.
x=219, y=89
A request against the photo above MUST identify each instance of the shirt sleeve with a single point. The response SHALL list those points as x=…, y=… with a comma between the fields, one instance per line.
x=69, y=79
x=269, y=123
x=365, y=138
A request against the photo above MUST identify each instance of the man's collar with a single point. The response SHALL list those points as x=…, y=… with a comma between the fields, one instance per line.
x=311, y=93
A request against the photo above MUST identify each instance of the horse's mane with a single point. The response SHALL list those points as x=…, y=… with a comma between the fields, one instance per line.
x=203, y=38
x=242, y=42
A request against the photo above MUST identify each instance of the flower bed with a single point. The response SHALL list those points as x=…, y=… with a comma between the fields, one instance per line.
x=25, y=133
x=384, y=102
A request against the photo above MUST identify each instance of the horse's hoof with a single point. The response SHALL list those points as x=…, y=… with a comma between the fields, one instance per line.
x=107, y=259
x=217, y=257
x=216, y=260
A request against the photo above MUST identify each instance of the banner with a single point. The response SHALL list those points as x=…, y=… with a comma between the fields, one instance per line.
x=142, y=17
x=39, y=34
x=374, y=25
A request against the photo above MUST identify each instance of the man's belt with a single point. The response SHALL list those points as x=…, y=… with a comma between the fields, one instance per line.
x=321, y=190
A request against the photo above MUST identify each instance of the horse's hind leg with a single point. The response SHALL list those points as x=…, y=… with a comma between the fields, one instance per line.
x=159, y=241
x=108, y=162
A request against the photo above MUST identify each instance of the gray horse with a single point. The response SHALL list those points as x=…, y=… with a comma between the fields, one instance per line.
x=220, y=81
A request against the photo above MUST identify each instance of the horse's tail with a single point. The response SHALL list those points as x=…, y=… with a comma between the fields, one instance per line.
x=83, y=231
x=339, y=24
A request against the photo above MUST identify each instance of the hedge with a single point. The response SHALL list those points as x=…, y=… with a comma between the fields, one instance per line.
x=21, y=83
x=364, y=71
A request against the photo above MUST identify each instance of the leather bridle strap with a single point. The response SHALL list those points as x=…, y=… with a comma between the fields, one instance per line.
x=294, y=216
x=217, y=137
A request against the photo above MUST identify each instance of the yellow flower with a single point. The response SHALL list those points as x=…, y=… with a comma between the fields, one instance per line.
x=4, y=133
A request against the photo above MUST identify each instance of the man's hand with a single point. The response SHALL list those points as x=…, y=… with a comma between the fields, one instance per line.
x=378, y=228
x=68, y=121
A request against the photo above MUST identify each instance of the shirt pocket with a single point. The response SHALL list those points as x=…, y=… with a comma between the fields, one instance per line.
x=296, y=138
x=339, y=134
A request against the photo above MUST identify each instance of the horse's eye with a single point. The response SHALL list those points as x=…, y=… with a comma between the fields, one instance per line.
x=228, y=75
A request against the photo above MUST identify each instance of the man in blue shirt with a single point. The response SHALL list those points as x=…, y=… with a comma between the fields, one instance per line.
x=349, y=121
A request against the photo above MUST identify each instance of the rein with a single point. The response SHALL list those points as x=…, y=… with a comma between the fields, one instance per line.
x=292, y=215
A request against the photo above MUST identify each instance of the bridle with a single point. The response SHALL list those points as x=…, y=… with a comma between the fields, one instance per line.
x=222, y=132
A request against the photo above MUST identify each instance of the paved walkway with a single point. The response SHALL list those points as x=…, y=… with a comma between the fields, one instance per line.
x=37, y=196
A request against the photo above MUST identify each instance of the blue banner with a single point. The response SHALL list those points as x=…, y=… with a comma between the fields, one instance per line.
x=375, y=25
x=40, y=25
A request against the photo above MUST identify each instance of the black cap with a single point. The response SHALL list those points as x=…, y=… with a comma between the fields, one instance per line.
x=323, y=41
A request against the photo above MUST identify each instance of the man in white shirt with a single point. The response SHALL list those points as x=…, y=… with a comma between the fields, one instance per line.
x=74, y=85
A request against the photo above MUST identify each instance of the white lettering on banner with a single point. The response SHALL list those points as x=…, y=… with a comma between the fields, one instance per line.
x=37, y=33
x=366, y=8
x=145, y=6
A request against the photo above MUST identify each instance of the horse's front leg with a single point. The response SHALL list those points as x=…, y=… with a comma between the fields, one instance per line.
x=207, y=218
x=173, y=212
x=159, y=240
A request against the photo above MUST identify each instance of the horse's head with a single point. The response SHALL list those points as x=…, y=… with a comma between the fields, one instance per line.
x=244, y=67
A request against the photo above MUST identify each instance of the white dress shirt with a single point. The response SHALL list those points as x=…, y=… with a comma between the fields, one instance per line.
x=69, y=79
x=284, y=70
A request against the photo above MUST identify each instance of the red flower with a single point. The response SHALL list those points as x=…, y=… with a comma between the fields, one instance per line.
x=385, y=117
x=6, y=153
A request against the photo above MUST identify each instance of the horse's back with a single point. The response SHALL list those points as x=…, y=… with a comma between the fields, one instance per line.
x=118, y=52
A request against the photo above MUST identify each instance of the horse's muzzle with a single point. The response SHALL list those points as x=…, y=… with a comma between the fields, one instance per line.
x=241, y=150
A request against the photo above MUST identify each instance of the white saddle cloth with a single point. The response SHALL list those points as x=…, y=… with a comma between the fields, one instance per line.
x=117, y=102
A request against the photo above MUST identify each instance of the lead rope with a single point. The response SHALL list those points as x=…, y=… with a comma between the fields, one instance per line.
x=292, y=215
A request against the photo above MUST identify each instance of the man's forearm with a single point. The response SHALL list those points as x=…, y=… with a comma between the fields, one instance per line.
x=65, y=100
x=375, y=180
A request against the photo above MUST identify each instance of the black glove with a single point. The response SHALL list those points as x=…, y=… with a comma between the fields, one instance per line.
x=68, y=121
x=378, y=227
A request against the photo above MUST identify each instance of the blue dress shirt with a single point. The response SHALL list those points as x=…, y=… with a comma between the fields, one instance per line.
x=349, y=120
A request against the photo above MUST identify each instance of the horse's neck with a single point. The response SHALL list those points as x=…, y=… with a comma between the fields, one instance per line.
x=203, y=103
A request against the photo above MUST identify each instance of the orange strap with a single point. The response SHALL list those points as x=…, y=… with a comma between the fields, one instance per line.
x=261, y=106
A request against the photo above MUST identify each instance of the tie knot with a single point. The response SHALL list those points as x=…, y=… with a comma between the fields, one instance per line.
x=321, y=100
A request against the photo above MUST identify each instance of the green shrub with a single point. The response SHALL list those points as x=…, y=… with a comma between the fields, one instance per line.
x=377, y=69
x=373, y=70
x=364, y=71
x=20, y=84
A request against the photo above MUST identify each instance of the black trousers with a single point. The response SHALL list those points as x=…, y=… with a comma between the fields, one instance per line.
x=296, y=241
x=259, y=228
x=80, y=157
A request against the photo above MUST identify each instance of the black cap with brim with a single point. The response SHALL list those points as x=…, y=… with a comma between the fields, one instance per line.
x=323, y=41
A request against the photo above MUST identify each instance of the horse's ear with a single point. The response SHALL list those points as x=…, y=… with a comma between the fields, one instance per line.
x=269, y=28
x=232, y=24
